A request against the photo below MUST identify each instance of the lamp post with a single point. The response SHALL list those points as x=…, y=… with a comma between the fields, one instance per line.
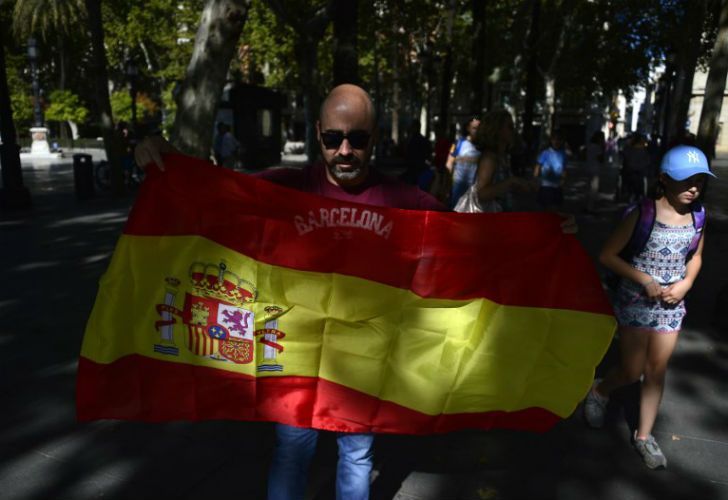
x=132, y=72
x=39, y=147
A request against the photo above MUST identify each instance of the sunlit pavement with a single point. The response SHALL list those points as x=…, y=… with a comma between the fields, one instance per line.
x=53, y=256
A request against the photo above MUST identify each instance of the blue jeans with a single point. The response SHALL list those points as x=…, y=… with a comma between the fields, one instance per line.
x=463, y=176
x=292, y=457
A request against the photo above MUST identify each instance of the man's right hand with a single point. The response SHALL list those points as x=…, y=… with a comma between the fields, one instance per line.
x=150, y=150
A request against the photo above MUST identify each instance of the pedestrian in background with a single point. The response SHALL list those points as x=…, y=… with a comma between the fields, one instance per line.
x=463, y=162
x=225, y=146
x=594, y=162
x=635, y=166
x=550, y=170
x=441, y=185
x=493, y=186
x=416, y=155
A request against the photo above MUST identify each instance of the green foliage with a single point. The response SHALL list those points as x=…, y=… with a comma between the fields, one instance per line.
x=121, y=106
x=267, y=50
x=66, y=106
x=47, y=17
x=22, y=105
x=170, y=106
x=157, y=34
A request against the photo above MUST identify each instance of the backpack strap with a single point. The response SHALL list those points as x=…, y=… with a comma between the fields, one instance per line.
x=698, y=223
x=642, y=229
x=456, y=151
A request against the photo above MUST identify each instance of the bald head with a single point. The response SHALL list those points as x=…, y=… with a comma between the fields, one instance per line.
x=349, y=101
x=347, y=124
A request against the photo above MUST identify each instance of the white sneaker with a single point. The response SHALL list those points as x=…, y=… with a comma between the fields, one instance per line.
x=595, y=407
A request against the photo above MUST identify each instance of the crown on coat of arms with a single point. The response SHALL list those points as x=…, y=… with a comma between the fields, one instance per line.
x=216, y=282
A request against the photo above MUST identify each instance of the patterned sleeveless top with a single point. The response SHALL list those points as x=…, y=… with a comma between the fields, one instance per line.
x=663, y=258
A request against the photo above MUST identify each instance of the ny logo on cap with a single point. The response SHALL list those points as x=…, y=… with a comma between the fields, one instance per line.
x=693, y=157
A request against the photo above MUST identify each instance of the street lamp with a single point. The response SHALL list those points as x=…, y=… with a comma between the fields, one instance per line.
x=33, y=56
x=39, y=134
x=132, y=72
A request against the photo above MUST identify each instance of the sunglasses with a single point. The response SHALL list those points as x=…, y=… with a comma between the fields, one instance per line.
x=358, y=139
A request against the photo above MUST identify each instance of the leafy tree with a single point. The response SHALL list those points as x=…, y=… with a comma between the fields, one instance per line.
x=121, y=106
x=161, y=51
x=65, y=106
x=50, y=18
x=22, y=106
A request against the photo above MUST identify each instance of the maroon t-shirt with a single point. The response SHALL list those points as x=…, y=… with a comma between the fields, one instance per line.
x=378, y=189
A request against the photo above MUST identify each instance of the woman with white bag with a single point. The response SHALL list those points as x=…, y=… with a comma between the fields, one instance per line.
x=494, y=185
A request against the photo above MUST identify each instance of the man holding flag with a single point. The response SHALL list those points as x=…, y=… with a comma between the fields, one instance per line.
x=346, y=133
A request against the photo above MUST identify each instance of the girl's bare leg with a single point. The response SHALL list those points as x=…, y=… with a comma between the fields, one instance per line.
x=633, y=346
x=659, y=350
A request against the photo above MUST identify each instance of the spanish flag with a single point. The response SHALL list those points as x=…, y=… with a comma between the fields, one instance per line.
x=229, y=297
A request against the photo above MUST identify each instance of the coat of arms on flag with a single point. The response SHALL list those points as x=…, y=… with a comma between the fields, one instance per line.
x=217, y=323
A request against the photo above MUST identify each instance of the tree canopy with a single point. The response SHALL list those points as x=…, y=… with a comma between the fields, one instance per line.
x=418, y=58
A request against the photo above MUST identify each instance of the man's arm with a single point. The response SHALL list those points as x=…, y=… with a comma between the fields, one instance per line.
x=151, y=149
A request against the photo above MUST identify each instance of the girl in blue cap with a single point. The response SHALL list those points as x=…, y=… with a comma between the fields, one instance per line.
x=656, y=251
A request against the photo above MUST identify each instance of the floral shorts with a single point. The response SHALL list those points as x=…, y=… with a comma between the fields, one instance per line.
x=634, y=309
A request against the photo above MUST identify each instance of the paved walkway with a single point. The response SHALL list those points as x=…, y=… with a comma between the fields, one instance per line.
x=52, y=258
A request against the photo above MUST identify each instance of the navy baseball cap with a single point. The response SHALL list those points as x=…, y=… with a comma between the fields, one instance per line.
x=682, y=162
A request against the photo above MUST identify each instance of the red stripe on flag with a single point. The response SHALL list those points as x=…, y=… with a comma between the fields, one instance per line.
x=144, y=389
x=519, y=259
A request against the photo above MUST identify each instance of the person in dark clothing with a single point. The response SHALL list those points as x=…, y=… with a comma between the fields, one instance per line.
x=636, y=163
x=417, y=154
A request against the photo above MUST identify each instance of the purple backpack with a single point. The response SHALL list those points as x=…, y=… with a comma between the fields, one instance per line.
x=642, y=231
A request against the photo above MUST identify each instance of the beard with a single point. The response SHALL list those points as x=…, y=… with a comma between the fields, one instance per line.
x=355, y=168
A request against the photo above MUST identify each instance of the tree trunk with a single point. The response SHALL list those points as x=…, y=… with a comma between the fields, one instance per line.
x=101, y=84
x=531, y=75
x=477, y=78
x=549, y=76
x=714, y=87
x=549, y=107
x=217, y=36
x=686, y=61
x=447, y=70
x=307, y=55
x=346, y=61
x=396, y=101
x=378, y=97
x=13, y=194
